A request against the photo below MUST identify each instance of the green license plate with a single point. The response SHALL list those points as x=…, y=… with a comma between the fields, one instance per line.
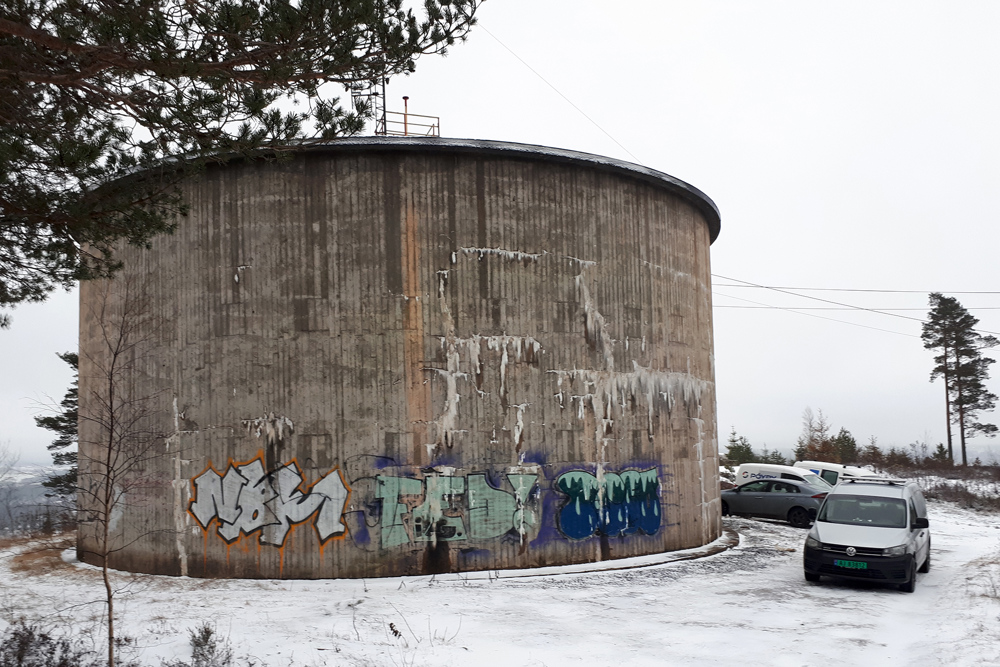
x=851, y=564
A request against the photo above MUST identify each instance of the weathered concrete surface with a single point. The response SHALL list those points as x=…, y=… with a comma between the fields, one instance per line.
x=389, y=358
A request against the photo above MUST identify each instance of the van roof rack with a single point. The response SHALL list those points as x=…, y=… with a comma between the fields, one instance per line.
x=875, y=480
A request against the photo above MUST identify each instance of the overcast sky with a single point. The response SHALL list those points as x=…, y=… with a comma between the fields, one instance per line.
x=848, y=146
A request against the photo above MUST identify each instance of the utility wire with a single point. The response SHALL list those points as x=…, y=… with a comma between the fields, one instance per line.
x=816, y=298
x=847, y=289
x=836, y=308
x=831, y=319
x=835, y=303
x=480, y=25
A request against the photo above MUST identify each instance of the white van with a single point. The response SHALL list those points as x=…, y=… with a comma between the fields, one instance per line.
x=751, y=472
x=871, y=528
x=833, y=472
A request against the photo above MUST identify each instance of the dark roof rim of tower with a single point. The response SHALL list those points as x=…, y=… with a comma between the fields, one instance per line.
x=688, y=192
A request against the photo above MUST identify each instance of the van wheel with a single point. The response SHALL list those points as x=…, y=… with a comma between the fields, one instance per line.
x=926, y=567
x=725, y=508
x=911, y=584
x=811, y=576
x=798, y=517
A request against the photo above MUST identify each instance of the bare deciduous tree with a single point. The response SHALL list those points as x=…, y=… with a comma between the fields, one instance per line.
x=118, y=428
x=8, y=459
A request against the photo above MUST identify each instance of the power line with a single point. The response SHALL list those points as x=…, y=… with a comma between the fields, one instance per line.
x=831, y=319
x=846, y=289
x=480, y=25
x=816, y=298
x=835, y=303
x=836, y=308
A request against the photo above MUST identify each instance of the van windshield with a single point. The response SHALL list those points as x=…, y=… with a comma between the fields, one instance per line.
x=816, y=480
x=864, y=511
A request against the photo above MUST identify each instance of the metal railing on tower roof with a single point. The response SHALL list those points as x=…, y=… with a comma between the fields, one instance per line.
x=406, y=124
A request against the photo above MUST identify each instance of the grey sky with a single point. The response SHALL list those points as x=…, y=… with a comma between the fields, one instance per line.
x=852, y=145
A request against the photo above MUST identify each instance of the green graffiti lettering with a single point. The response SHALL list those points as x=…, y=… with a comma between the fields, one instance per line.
x=388, y=490
x=429, y=520
x=493, y=512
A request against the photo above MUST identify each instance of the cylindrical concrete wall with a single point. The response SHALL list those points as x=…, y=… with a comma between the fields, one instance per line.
x=396, y=357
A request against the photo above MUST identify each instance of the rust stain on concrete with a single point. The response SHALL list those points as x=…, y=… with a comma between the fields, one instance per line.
x=417, y=391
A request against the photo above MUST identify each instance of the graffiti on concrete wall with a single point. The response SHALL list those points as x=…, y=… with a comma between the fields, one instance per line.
x=609, y=504
x=247, y=499
x=449, y=508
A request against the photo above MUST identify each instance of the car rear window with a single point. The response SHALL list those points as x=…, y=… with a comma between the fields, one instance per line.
x=816, y=480
x=864, y=511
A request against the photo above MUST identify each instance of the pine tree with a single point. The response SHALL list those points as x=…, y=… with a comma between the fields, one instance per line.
x=63, y=448
x=845, y=447
x=952, y=330
x=775, y=457
x=739, y=450
x=155, y=90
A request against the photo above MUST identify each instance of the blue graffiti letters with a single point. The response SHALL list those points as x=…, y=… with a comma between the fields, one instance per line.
x=612, y=504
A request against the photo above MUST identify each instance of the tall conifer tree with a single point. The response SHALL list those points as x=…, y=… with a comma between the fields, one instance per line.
x=951, y=330
x=154, y=90
x=64, y=424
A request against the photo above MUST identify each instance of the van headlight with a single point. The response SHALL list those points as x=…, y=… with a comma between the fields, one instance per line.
x=895, y=551
x=813, y=543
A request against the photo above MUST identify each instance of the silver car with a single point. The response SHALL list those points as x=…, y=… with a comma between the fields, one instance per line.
x=786, y=499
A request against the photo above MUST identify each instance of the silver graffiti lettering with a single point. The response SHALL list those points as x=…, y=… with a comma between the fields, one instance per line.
x=248, y=499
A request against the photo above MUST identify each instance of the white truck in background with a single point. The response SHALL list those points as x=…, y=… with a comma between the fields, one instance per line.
x=751, y=472
x=833, y=473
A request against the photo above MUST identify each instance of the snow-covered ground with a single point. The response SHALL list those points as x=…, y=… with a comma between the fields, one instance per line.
x=746, y=605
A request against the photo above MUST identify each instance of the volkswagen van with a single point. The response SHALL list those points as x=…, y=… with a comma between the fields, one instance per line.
x=870, y=528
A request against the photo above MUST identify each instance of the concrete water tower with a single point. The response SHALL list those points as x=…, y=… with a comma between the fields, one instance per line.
x=397, y=355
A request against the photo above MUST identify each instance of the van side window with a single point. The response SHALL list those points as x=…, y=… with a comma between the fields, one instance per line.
x=913, y=513
x=786, y=475
x=830, y=476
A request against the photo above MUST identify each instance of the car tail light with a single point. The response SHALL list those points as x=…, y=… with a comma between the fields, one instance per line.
x=820, y=495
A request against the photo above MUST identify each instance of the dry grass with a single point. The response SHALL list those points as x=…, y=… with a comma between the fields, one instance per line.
x=11, y=542
x=41, y=556
x=963, y=495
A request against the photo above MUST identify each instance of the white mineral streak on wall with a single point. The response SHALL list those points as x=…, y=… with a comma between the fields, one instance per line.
x=610, y=389
x=446, y=422
x=662, y=269
x=117, y=508
x=442, y=283
x=595, y=324
x=240, y=269
x=584, y=263
x=699, y=448
x=512, y=255
x=181, y=490
x=523, y=348
x=519, y=426
x=270, y=426
x=522, y=479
